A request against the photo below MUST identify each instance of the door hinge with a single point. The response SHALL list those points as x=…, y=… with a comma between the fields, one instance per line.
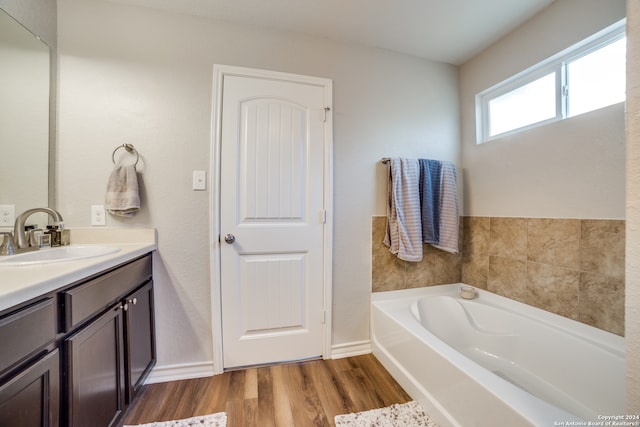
x=324, y=317
x=323, y=216
x=326, y=110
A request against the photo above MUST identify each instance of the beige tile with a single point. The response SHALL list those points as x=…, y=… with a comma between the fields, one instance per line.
x=602, y=302
x=508, y=238
x=553, y=288
x=436, y=268
x=494, y=257
x=447, y=268
x=421, y=274
x=378, y=229
x=507, y=277
x=387, y=271
x=475, y=270
x=429, y=249
x=388, y=277
x=602, y=245
x=554, y=241
x=475, y=233
x=475, y=251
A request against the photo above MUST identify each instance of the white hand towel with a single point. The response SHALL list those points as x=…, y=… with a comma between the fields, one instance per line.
x=404, y=229
x=122, y=197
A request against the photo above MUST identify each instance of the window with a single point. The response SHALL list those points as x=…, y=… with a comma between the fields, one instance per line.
x=585, y=77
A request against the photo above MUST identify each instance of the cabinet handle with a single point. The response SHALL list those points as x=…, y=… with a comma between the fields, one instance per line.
x=133, y=301
x=125, y=307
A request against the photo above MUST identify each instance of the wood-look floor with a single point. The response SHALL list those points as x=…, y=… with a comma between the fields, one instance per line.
x=302, y=394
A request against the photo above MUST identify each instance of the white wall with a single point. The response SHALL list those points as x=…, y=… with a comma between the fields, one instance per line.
x=569, y=169
x=632, y=289
x=145, y=77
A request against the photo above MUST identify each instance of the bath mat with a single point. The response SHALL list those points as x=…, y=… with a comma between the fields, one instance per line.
x=408, y=414
x=213, y=420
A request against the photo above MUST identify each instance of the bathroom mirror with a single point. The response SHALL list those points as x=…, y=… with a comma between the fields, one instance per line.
x=24, y=116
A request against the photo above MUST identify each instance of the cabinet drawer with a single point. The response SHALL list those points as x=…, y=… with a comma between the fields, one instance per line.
x=88, y=299
x=27, y=329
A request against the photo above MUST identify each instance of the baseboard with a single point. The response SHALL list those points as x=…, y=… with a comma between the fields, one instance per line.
x=161, y=374
x=356, y=348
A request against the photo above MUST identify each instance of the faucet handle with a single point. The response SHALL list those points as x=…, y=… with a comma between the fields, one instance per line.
x=8, y=245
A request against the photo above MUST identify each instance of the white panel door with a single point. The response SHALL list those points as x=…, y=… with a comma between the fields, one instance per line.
x=271, y=220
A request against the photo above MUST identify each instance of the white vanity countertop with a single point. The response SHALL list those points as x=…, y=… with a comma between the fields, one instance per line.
x=22, y=283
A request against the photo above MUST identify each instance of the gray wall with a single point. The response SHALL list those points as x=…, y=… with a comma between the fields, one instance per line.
x=145, y=77
x=569, y=169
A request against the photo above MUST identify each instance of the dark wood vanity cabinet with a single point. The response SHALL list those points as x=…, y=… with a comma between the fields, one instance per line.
x=95, y=372
x=140, y=346
x=83, y=366
x=32, y=396
x=29, y=365
x=112, y=348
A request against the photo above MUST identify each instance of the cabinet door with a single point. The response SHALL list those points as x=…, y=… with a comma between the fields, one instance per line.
x=96, y=372
x=31, y=398
x=140, y=337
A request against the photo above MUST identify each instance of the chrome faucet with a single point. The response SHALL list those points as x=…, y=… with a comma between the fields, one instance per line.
x=19, y=234
x=7, y=247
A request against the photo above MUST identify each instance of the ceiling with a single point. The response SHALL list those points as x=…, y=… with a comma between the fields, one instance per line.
x=450, y=31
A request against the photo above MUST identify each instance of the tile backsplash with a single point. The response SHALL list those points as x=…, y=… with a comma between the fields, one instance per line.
x=391, y=273
x=571, y=267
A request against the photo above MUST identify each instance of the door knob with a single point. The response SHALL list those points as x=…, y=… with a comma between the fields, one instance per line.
x=229, y=238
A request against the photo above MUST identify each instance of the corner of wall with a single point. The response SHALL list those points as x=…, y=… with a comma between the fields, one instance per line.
x=633, y=209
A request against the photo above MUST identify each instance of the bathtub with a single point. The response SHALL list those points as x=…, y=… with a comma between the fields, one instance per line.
x=494, y=362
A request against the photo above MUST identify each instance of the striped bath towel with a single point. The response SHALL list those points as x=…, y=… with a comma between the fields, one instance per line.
x=449, y=220
x=404, y=229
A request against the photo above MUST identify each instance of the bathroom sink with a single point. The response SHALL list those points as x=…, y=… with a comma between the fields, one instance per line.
x=59, y=254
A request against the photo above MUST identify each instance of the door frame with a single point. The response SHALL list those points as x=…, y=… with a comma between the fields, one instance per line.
x=219, y=72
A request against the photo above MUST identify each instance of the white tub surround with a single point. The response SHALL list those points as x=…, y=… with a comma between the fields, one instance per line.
x=493, y=361
x=22, y=283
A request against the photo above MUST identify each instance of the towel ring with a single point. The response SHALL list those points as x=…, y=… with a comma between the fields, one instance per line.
x=130, y=149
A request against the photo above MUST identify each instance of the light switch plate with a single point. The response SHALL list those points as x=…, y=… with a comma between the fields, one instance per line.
x=199, y=180
x=7, y=215
x=98, y=216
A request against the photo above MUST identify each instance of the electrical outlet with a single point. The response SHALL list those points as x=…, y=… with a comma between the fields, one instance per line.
x=7, y=215
x=98, y=216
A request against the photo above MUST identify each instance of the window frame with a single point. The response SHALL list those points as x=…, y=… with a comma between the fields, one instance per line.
x=555, y=64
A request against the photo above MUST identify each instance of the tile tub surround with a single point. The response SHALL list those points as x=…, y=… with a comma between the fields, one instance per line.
x=571, y=267
x=390, y=273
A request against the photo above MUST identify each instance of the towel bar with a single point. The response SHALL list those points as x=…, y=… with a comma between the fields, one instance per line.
x=130, y=149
